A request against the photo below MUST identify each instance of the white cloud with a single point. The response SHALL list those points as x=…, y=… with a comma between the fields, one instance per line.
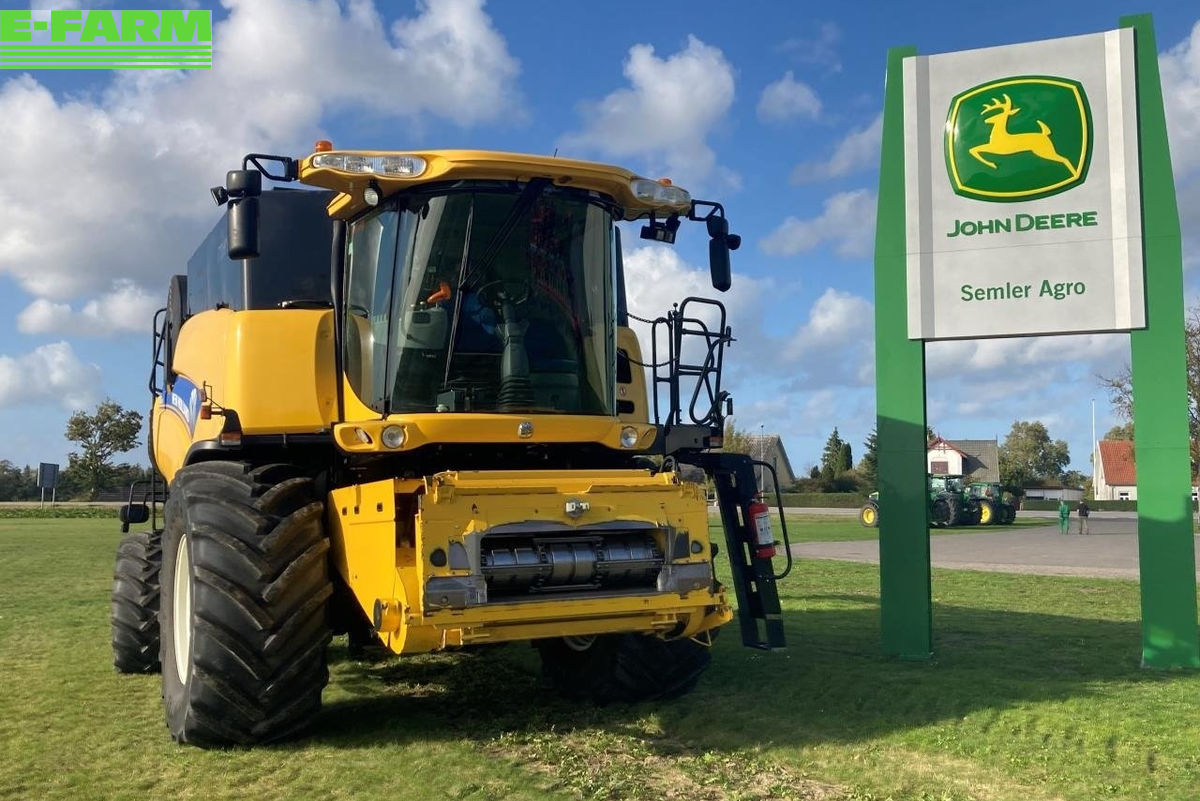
x=1102, y=353
x=665, y=115
x=847, y=221
x=656, y=277
x=818, y=49
x=49, y=374
x=1180, y=72
x=123, y=309
x=859, y=150
x=112, y=186
x=834, y=346
x=787, y=99
x=837, y=318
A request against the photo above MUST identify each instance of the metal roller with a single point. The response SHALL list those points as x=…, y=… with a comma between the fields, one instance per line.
x=520, y=565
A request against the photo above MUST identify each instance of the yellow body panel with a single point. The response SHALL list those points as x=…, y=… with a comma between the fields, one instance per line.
x=171, y=437
x=275, y=368
x=385, y=533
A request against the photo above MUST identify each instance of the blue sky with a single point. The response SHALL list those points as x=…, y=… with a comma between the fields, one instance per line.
x=771, y=108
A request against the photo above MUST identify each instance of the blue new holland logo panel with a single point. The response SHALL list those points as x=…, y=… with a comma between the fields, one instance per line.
x=183, y=398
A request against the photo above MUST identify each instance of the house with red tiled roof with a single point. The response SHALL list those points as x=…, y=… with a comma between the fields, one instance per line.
x=1116, y=473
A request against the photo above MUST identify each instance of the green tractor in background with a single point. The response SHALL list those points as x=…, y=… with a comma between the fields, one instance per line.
x=868, y=515
x=997, y=506
x=950, y=504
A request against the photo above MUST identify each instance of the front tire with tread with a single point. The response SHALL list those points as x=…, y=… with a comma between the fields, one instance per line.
x=251, y=663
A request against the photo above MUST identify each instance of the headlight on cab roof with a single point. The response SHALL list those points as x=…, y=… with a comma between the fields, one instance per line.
x=658, y=193
x=398, y=166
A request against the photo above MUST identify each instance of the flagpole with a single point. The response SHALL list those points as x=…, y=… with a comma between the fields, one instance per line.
x=1094, y=447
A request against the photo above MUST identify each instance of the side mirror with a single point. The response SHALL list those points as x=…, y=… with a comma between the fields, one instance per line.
x=718, y=264
x=718, y=253
x=243, y=188
x=133, y=513
x=243, y=228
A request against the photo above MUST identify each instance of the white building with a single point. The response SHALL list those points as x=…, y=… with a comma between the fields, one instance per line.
x=977, y=459
x=1116, y=472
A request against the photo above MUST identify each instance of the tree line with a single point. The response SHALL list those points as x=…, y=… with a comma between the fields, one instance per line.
x=100, y=436
x=1028, y=457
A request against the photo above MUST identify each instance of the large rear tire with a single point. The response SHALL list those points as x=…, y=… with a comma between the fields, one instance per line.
x=244, y=620
x=942, y=514
x=628, y=668
x=956, y=515
x=135, y=595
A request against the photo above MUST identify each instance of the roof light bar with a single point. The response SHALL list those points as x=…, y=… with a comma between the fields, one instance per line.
x=393, y=166
x=656, y=193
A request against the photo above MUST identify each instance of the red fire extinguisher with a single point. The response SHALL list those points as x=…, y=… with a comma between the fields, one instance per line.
x=760, y=526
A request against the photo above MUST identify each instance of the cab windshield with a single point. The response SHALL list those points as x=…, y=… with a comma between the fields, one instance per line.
x=483, y=297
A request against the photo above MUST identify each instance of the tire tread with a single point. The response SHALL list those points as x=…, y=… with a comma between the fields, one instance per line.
x=135, y=602
x=260, y=593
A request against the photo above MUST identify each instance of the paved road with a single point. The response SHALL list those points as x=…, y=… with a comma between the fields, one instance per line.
x=1110, y=551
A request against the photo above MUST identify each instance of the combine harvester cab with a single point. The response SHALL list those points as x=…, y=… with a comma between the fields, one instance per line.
x=409, y=407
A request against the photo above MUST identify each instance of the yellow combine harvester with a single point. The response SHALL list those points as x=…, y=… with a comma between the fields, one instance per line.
x=438, y=438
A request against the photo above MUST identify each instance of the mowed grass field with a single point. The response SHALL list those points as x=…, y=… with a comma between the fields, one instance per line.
x=1035, y=693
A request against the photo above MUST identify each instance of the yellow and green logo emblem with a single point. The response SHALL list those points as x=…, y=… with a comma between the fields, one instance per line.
x=1018, y=138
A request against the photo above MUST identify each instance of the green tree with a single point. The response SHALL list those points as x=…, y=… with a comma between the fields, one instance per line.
x=845, y=458
x=1028, y=455
x=107, y=432
x=16, y=484
x=831, y=456
x=737, y=440
x=868, y=467
x=1073, y=478
x=1123, y=431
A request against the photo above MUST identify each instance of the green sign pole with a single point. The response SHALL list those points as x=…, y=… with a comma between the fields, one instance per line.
x=1160, y=411
x=904, y=590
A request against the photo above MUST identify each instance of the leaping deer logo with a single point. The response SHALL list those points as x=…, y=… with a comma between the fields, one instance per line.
x=1003, y=143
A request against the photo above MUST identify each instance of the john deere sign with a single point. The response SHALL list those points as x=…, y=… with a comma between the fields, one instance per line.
x=1022, y=210
x=1018, y=139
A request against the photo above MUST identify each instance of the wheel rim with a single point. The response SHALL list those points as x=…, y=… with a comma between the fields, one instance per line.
x=985, y=515
x=579, y=643
x=181, y=610
x=868, y=516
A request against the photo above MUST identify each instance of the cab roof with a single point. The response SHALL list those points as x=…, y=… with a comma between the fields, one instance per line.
x=350, y=172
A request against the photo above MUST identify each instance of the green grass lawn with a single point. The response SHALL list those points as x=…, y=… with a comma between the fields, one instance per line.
x=1035, y=694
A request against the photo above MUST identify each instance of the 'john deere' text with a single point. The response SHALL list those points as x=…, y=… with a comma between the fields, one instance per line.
x=1024, y=222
